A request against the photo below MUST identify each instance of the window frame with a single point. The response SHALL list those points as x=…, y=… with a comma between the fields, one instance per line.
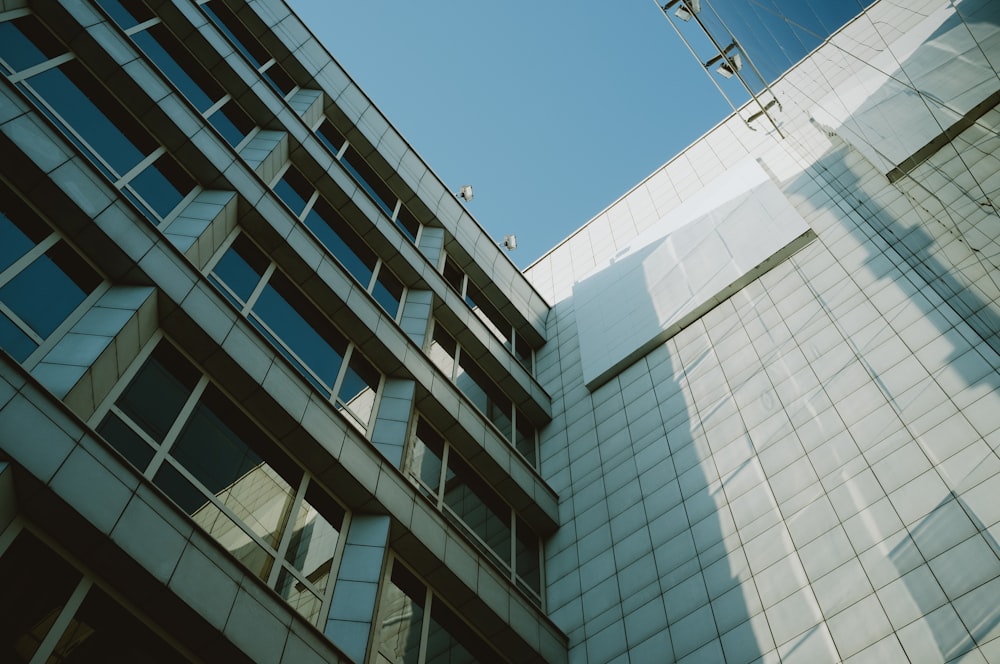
x=162, y=456
x=311, y=201
x=246, y=309
x=40, y=249
x=437, y=497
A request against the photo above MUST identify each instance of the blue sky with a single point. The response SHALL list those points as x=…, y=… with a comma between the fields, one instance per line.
x=550, y=110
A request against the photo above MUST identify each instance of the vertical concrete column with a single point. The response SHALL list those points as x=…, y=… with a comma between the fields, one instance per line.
x=266, y=153
x=352, y=611
x=86, y=362
x=416, y=315
x=431, y=244
x=395, y=406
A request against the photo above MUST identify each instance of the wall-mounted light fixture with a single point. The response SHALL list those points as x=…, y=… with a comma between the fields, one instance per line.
x=685, y=8
x=465, y=193
x=510, y=242
x=729, y=61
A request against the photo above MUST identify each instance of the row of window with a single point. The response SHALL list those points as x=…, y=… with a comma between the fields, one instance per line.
x=33, y=260
x=42, y=593
x=367, y=179
x=199, y=448
x=180, y=68
x=316, y=214
x=92, y=119
x=298, y=329
x=465, y=499
x=487, y=313
x=416, y=627
x=475, y=384
x=191, y=441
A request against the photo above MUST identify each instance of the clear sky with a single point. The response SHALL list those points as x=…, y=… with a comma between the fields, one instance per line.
x=550, y=109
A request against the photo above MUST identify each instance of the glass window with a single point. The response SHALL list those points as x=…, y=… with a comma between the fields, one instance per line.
x=294, y=190
x=478, y=507
x=178, y=66
x=36, y=585
x=241, y=268
x=66, y=280
x=244, y=41
x=104, y=631
x=230, y=121
x=480, y=389
x=106, y=132
x=486, y=312
x=402, y=617
x=471, y=503
x=25, y=42
x=411, y=617
x=318, y=348
x=340, y=239
x=297, y=328
x=126, y=13
x=331, y=230
x=105, y=127
x=231, y=478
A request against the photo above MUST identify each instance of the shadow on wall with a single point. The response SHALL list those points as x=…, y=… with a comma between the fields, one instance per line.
x=929, y=585
x=903, y=253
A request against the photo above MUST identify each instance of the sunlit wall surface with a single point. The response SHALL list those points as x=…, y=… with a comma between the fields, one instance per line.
x=808, y=472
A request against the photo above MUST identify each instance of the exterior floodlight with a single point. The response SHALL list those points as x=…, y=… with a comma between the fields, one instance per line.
x=730, y=61
x=732, y=65
x=465, y=193
x=687, y=9
x=510, y=242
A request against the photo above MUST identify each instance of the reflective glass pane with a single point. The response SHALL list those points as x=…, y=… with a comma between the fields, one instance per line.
x=36, y=584
x=478, y=506
x=329, y=134
x=425, y=460
x=402, y=617
x=164, y=50
x=524, y=439
x=88, y=109
x=126, y=13
x=226, y=21
x=162, y=185
x=103, y=631
x=128, y=443
x=232, y=123
x=298, y=596
x=208, y=516
x=366, y=183
x=156, y=395
x=442, y=351
x=13, y=340
x=406, y=223
x=451, y=641
x=223, y=450
x=25, y=42
x=388, y=291
x=359, y=386
x=241, y=267
x=330, y=228
x=314, y=537
x=527, y=556
x=294, y=190
x=64, y=291
x=297, y=323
